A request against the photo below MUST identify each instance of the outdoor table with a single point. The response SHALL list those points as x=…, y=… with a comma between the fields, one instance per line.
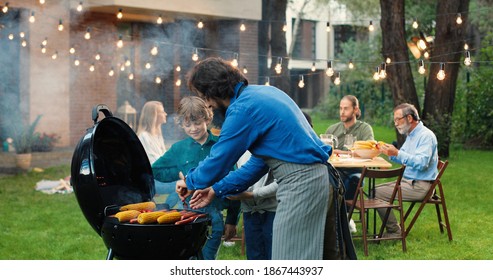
x=356, y=162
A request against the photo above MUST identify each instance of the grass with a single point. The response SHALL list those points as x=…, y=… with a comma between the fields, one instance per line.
x=37, y=226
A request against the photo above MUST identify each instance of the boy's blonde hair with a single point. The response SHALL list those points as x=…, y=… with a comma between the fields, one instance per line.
x=191, y=109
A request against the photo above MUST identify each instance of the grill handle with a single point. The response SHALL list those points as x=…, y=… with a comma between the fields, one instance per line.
x=100, y=108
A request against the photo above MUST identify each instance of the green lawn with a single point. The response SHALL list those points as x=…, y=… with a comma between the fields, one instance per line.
x=34, y=225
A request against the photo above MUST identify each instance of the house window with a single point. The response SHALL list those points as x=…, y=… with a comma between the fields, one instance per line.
x=305, y=40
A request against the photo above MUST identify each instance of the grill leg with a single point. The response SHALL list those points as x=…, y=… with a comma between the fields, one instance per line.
x=110, y=254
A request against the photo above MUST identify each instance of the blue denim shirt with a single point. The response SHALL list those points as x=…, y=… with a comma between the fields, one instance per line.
x=267, y=122
x=420, y=154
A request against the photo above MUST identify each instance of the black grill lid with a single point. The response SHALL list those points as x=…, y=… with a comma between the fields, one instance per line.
x=109, y=167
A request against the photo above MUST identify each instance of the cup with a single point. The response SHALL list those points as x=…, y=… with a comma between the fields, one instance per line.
x=329, y=139
x=349, y=140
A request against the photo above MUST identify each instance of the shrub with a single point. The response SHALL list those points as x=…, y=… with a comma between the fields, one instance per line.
x=44, y=142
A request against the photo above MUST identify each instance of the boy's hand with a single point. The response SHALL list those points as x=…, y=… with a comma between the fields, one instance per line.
x=181, y=188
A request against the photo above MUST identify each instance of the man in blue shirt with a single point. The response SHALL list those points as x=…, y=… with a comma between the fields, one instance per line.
x=267, y=122
x=420, y=155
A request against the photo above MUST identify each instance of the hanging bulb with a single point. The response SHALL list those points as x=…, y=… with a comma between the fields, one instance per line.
x=245, y=70
x=234, y=62
x=301, y=83
x=371, y=27
x=148, y=65
x=178, y=82
x=76, y=62
x=267, y=81
x=466, y=46
x=45, y=42
x=388, y=60
x=376, y=75
x=159, y=20
x=195, y=55
x=92, y=68
x=97, y=56
x=415, y=24
x=43, y=49
x=119, y=44
x=383, y=71
x=278, y=67
x=128, y=63
x=55, y=55
x=327, y=28
x=22, y=34
x=426, y=55
x=60, y=25
x=421, y=44
x=467, y=60
x=32, y=19
x=441, y=73
x=285, y=27
x=131, y=76
x=42, y=2
x=111, y=73
x=119, y=15
x=5, y=8
x=71, y=50
x=154, y=50
x=351, y=64
x=24, y=43
x=157, y=80
x=458, y=20
x=178, y=68
x=421, y=68
x=313, y=67
x=337, y=80
x=11, y=36
x=87, y=36
x=242, y=27
x=200, y=25
x=329, y=72
x=122, y=67
x=79, y=7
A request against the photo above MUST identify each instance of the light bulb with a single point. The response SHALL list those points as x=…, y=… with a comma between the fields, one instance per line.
x=111, y=72
x=370, y=27
x=157, y=80
x=22, y=34
x=351, y=64
x=337, y=80
x=441, y=73
x=458, y=20
x=301, y=83
x=92, y=68
x=119, y=44
x=45, y=42
x=415, y=24
x=329, y=72
x=87, y=36
x=32, y=19
x=245, y=70
x=24, y=43
x=466, y=46
x=128, y=63
x=327, y=28
x=178, y=82
x=119, y=15
x=383, y=71
x=467, y=60
x=313, y=67
x=242, y=27
x=388, y=60
x=178, y=68
x=79, y=7
x=376, y=75
x=200, y=25
x=426, y=55
x=60, y=25
x=267, y=81
x=278, y=67
x=97, y=56
x=154, y=50
x=421, y=44
x=195, y=55
x=148, y=65
x=54, y=56
x=234, y=62
x=71, y=50
x=131, y=76
x=43, y=49
x=76, y=62
x=11, y=36
x=285, y=27
x=159, y=20
x=122, y=67
x=5, y=8
x=421, y=68
x=42, y=2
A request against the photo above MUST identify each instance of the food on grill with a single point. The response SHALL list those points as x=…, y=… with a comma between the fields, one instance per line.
x=149, y=217
x=126, y=216
x=189, y=219
x=169, y=218
x=139, y=206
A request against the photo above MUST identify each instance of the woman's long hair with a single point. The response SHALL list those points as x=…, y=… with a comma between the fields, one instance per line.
x=148, y=118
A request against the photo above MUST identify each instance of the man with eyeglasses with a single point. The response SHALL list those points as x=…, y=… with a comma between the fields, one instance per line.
x=420, y=155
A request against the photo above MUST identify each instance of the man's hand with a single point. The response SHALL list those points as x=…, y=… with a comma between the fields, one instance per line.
x=229, y=232
x=202, y=198
x=389, y=150
x=181, y=188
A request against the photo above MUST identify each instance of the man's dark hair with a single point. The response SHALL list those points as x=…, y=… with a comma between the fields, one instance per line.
x=214, y=78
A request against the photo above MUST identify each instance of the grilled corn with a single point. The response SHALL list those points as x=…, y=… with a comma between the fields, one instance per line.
x=169, y=218
x=139, y=206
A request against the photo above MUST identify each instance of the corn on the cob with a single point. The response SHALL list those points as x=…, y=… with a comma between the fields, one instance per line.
x=149, y=217
x=169, y=218
x=139, y=206
x=125, y=216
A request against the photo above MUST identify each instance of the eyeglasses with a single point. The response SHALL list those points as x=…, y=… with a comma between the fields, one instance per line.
x=398, y=119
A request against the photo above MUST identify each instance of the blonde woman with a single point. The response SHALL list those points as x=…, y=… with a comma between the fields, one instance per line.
x=149, y=132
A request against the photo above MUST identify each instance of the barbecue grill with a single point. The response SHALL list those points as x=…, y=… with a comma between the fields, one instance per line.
x=110, y=169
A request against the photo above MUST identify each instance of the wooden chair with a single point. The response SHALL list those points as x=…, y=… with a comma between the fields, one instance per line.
x=433, y=198
x=363, y=203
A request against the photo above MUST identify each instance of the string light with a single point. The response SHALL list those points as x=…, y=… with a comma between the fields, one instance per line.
x=267, y=81
x=178, y=82
x=122, y=67
x=467, y=60
x=24, y=43
x=426, y=55
x=388, y=60
x=79, y=7
x=370, y=27
x=111, y=72
x=195, y=55
x=301, y=83
x=154, y=50
x=313, y=67
x=466, y=46
x=278, y=67
x=119, y=15
x=54, y=55
x=119, y=44
x=421, y=68
x=5, y=8
x=376, y=75
x=45, y=42
x=71, y=50
x=32, y=18
x=128, y=62
x=329, y=72
x=43, y=49
x=76, y=62
x=11, y=36
x=22, y=34
x=337, y=80
x=327, y=28
x=148, y=65
x=245, y=70
x=42, y=2
x=178, y=68
x=350, y=64
x=87, y=35
x=97, y=56
x=441, y=73
x=458, y=20
x=242, y=27
x=383, y=71
x=131, y=76
x=157, y=80
x=159, y=20
x=234, y=62
x=285, y=27
x=92, y=68
x=415, y=24
x=200, y=24
x=60, y=25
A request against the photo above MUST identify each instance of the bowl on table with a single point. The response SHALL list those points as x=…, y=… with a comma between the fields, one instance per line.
x=366, y=153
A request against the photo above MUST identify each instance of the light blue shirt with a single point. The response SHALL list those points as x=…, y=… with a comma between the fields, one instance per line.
x=419, y=153
x=267, y=122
